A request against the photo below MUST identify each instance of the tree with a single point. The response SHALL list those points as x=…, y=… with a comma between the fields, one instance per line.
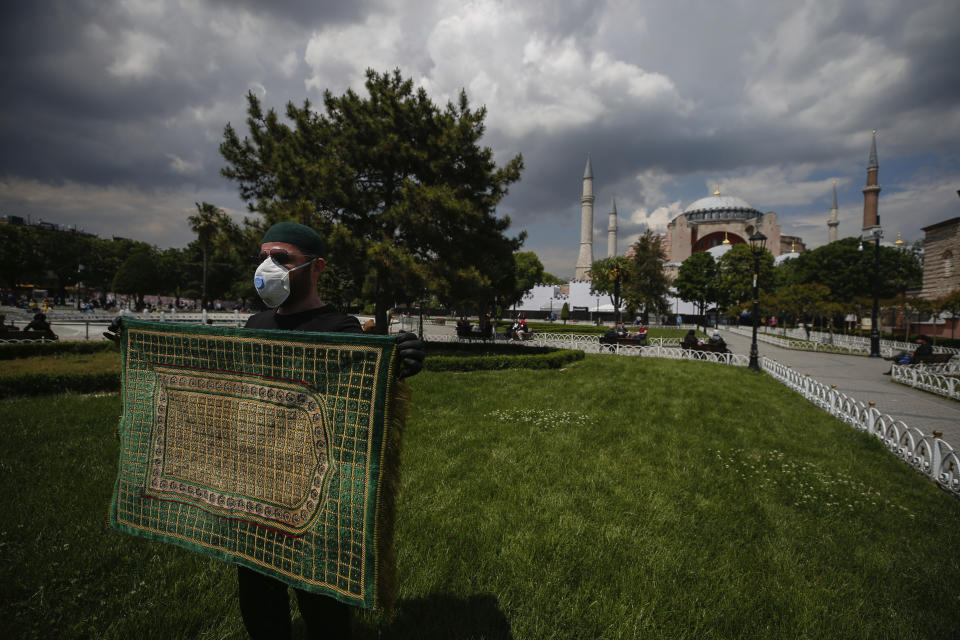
x=565, y=312
x=549, y=278
x=63, y=252
x=697, y=280
x=847, y=269
x=608, y=276
x=529, y=272
x=736, y=275
x=403, y=189
x=215, y=231
x=21, y=258
x=139, y=274
x=802, y=302
x=647, y=285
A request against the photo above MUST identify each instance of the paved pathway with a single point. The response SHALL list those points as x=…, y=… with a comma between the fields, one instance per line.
x=862, y=378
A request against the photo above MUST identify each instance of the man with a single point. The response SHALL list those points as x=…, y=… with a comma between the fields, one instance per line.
x=290, y=265
x=923, y=349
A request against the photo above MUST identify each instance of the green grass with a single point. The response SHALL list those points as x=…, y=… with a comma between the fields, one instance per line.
x=617, y=498
x=63, y=363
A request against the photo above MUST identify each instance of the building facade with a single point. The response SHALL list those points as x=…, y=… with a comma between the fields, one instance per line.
x=716, y=220
x=941, y=252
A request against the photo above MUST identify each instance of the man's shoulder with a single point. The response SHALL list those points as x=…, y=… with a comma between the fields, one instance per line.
x=325, y=319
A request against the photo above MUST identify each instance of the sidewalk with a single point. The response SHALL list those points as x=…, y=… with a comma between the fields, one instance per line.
x=862, y=378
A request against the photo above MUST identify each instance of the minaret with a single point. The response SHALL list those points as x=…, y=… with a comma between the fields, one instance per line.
x=833, y=221
x=871, y=192
x=585, y=259
x=612, y=231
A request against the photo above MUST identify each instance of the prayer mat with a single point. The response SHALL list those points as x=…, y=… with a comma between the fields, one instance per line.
x=275, y=450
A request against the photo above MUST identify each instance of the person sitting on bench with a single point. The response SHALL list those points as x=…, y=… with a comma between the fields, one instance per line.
x=923, y=349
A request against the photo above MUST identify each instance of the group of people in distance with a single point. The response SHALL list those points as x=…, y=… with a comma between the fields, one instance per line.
x=691, y=341
x=519, y=330
x=621, y=332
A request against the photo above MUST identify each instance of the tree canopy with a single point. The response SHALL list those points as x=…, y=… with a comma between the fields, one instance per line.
x=698, y=280
x=403, y=189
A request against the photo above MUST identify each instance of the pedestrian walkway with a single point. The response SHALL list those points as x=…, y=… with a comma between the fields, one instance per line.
x=862, y=378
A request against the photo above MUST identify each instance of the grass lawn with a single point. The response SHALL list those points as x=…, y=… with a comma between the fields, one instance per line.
x=63, y=363
x=616, y=498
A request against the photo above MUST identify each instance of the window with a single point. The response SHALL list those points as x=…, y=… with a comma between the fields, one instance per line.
x=947, y=263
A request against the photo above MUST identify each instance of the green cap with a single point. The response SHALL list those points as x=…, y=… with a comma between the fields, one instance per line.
x=299, y=235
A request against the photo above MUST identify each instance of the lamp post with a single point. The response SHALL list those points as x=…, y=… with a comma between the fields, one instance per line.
x=758, y=243
x=874, y=234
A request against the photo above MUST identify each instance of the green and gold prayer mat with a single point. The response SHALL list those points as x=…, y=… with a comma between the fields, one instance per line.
x=276, y=450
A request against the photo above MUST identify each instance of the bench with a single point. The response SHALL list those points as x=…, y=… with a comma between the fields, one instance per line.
x=712, y=348
x=933, y=358
x=466, y=332
x=624, y=342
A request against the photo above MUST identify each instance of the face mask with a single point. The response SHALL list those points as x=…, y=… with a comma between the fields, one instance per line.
x=272, y=281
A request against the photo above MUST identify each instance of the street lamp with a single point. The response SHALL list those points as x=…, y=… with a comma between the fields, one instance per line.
x=874, y=234
x=758, y=243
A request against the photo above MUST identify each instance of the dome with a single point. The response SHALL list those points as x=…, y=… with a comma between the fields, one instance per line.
x=720, y=207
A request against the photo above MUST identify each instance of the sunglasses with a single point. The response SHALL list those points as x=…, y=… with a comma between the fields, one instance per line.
x=281, y=256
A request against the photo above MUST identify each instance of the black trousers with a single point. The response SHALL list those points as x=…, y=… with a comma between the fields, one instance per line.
x=265, y=607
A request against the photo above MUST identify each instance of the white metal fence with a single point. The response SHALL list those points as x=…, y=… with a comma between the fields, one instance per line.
x=933, y=378
x=887, y=347
x=927, y=454
x=849, y=348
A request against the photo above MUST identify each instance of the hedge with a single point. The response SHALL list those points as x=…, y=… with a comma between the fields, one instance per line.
x=38, y=384
x=11, y=350
x=551, y=360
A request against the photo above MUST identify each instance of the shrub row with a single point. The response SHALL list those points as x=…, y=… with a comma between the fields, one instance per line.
x=552, y=360
x=11, y=350
x=483, y=349
x=38, y=384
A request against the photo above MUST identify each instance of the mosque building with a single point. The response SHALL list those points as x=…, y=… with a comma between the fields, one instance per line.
x=716, y=221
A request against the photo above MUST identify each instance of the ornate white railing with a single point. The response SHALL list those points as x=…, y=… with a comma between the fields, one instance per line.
x=891, y=346
x=805, y=345
x=924, y=377
x=675, y=353
x=591, y=341
x=929, y=455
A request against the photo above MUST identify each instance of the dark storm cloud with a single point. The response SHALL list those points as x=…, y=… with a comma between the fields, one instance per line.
x=112, y=104
x=314, y=12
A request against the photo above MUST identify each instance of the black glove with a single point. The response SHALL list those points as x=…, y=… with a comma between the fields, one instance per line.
x=410, y=352
x=113, y=331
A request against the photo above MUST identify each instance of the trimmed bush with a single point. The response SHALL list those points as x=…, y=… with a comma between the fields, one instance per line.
x=9, y=351
x=38, y=384
x=481, y=357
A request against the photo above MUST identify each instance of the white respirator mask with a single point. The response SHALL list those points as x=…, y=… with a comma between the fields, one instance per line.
x=272, y=281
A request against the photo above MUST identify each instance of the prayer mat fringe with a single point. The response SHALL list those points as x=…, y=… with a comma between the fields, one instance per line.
x=399, y=405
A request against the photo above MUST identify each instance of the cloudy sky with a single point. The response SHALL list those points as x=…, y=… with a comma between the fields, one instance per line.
x=113, y=110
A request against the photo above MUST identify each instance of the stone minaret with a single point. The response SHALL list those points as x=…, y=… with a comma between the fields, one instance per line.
x=833, y=222
x=612, y=231
x=871, y=192
x=585, y=259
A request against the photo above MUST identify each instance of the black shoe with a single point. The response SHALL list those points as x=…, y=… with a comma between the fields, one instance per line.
x=886, y=373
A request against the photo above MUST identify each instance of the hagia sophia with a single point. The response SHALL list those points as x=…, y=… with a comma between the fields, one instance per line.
x=717, y=222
